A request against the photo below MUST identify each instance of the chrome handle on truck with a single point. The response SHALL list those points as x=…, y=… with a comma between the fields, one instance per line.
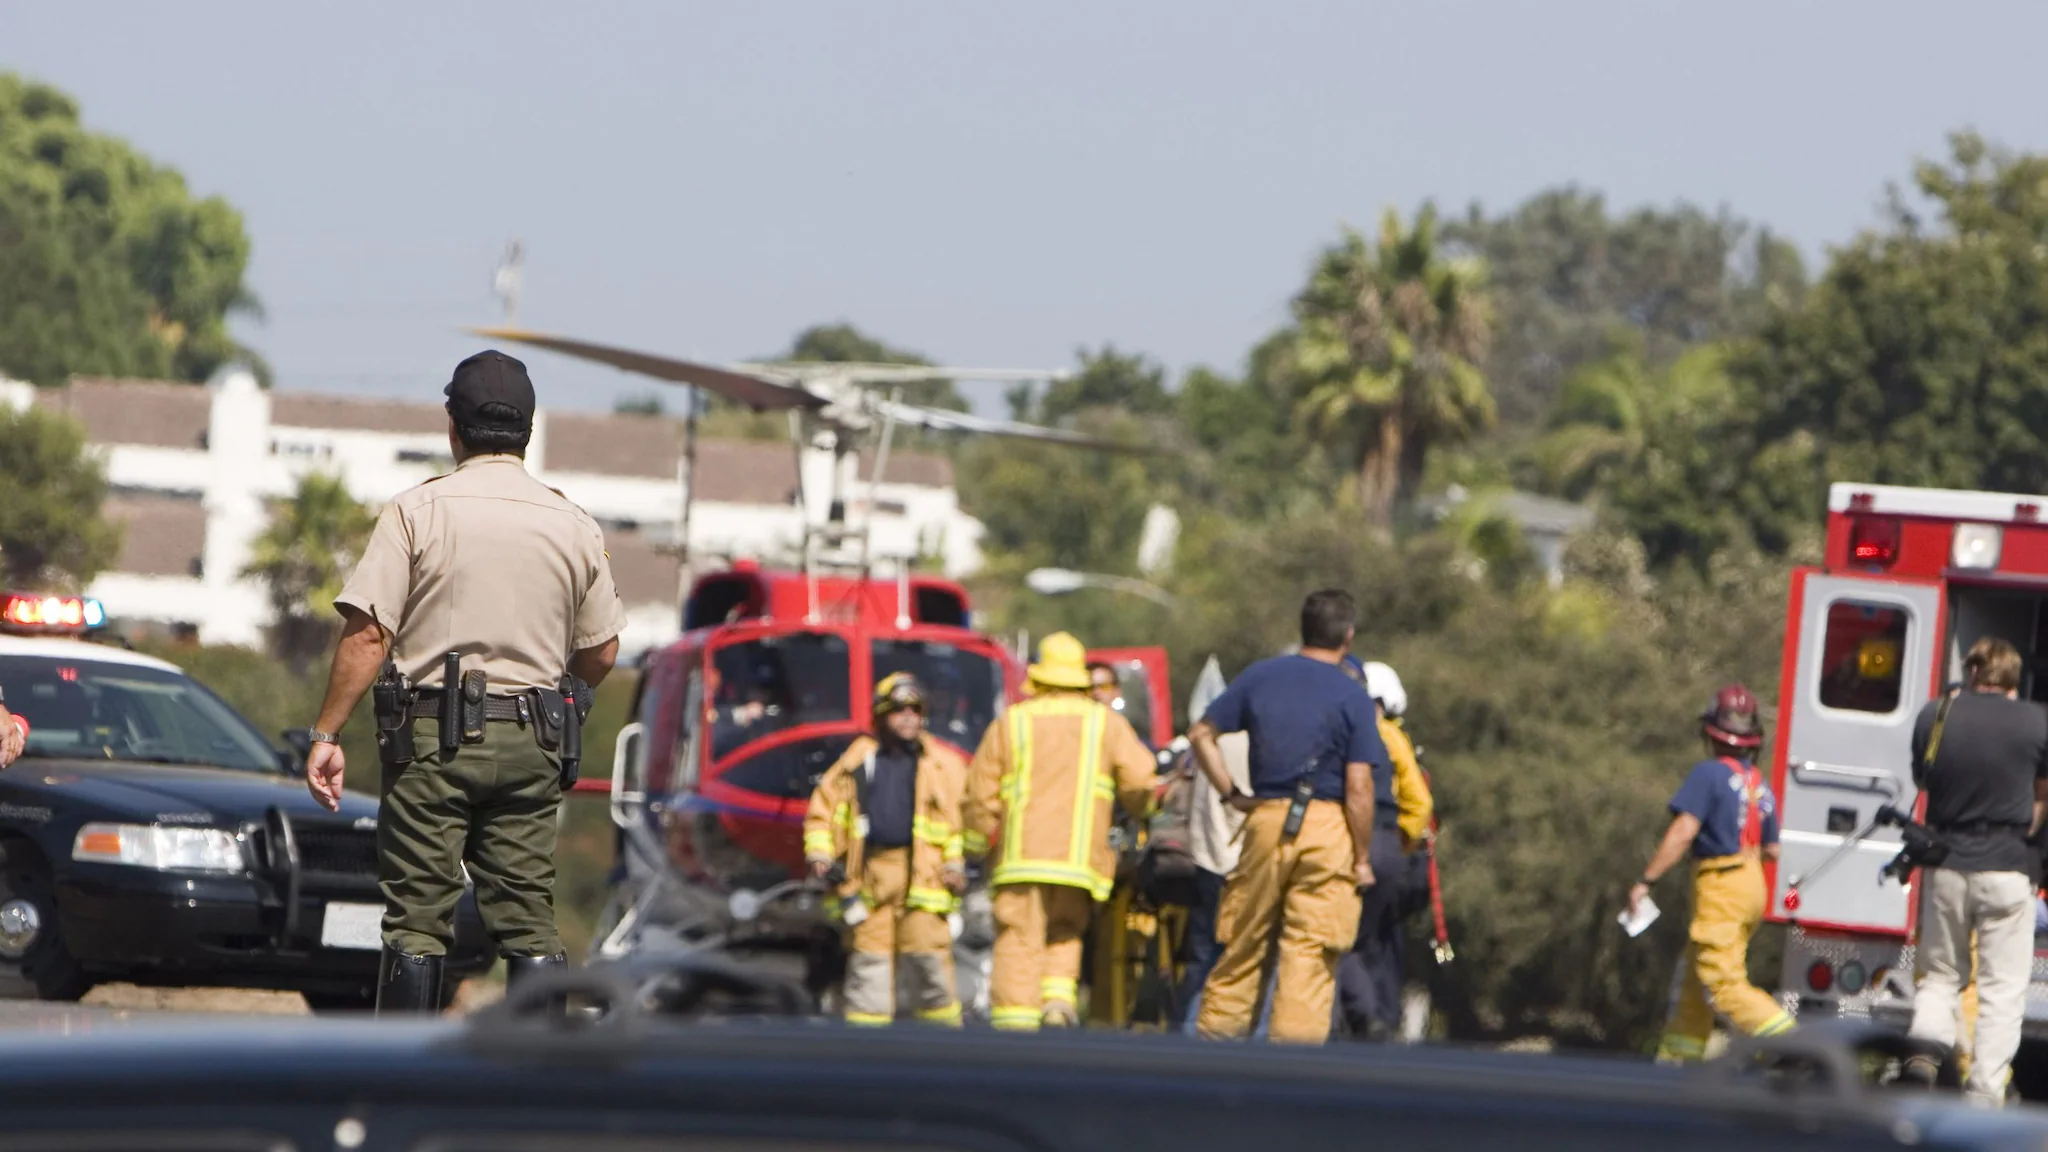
x=1886, y=781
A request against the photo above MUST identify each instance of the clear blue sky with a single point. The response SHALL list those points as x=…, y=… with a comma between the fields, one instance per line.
x=984, y=183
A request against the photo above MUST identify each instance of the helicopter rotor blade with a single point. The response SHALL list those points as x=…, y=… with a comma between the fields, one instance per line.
x=756, y=392
x=947, y=420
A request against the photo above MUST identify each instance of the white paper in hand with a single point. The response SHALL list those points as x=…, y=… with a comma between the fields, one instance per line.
x=1646, y=915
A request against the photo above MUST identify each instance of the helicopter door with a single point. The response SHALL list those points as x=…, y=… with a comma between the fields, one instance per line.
x=1147, y=704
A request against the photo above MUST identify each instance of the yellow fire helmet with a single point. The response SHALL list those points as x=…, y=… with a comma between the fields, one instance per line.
x=897, y=691
x=1877, y=658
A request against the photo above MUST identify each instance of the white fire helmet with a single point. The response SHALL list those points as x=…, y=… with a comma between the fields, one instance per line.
x=1385, y=687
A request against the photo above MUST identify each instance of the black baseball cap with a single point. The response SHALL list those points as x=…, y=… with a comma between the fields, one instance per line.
x=490, y=378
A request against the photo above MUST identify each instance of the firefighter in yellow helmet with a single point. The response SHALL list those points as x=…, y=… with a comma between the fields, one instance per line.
x=889, y=812
x=1040, y=793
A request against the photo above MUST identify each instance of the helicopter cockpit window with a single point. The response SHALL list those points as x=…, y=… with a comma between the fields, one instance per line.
x=962, y=689
x=775, y=683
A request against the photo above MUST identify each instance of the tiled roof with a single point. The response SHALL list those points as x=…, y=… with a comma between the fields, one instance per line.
x=921, y=469
x=161, y=535
x=643, y=575
x=153, y=412
x=746, y=472
x=315, y=410
x=613, y=445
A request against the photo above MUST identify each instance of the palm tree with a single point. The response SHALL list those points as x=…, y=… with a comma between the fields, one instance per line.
x=302, y=558
x=1388, y=340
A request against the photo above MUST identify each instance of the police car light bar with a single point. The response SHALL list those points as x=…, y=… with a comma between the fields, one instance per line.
x=23, y=612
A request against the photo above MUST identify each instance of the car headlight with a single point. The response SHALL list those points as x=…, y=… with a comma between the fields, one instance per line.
x=155, y=846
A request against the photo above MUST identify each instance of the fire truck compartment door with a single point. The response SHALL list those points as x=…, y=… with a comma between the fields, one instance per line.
x=1865, y=659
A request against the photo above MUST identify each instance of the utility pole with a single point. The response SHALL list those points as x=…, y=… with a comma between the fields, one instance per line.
x=509, y=280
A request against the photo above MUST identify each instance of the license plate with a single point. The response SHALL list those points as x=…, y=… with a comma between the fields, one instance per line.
x=353, y=926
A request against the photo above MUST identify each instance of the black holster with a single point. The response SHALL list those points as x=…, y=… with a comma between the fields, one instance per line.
x=558, y=714
x=391, y=705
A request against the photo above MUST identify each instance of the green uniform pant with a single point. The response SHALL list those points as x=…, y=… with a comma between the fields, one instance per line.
x=491, y=804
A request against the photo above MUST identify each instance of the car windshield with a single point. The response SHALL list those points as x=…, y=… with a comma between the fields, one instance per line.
x=962, y=689
x=776, y=683
x=102, y=710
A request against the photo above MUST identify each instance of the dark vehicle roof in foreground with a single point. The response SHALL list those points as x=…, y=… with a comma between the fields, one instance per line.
x=499, y=1081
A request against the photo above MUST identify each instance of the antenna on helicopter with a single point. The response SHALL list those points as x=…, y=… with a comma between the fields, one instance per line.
x=508, y=281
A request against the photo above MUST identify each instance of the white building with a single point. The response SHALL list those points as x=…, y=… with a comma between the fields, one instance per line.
x=193, y=470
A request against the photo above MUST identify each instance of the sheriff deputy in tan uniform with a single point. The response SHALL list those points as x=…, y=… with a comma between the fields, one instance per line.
x=490, y=564
x=1040, y=793
x=889, y=812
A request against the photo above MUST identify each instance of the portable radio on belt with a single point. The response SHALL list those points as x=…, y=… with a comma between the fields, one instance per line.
x=1297, y=808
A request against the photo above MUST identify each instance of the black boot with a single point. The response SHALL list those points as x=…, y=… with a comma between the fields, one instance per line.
x=408, y=985
x=518, y=968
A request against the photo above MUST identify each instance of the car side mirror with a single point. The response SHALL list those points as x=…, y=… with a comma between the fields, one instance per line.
x=298, y=747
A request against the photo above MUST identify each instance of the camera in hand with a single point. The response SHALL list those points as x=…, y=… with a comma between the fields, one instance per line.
x=1919, y=847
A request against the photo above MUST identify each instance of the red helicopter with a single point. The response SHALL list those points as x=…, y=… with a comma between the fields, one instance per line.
x=771, y=677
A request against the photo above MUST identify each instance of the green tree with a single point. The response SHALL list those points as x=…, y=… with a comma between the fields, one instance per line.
x=1387, y=345
x=52, y=533
x=1678, y=457
x=1921, y=357
x=302, y=557
x=1107, y=379
x=1565, y=275
x=641, y=404
x=107, y=262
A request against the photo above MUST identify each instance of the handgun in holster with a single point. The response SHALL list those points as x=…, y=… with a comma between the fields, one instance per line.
x=391, y=700
x=1297, y=807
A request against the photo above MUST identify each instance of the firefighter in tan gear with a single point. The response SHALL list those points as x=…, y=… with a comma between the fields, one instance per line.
x=889, y=811
x=1308, y=832
x=1040, y=798
x=1726, y=819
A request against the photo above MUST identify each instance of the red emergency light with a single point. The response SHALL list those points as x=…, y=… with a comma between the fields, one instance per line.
x=1874, y=540
x=25, y=612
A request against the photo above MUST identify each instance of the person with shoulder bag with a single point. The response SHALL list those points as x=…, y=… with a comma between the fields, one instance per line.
x=1980, y=757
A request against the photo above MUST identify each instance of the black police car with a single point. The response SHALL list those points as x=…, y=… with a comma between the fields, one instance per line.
x=148, y=833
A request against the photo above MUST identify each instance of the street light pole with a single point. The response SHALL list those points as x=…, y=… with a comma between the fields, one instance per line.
x=1061, y=581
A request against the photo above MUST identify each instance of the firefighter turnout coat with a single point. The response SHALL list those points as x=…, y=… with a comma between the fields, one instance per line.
x=1042, y=787
x=834, y=822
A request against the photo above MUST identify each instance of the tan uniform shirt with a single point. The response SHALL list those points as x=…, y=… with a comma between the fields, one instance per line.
x=489, y=562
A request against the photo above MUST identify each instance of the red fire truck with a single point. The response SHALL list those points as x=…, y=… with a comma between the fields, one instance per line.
x=1911, y=578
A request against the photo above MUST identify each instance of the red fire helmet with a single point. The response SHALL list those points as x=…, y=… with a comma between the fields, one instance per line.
x=1732, y=718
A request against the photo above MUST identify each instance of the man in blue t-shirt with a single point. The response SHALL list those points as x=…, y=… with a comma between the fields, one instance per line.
x=1314, y=749
x=1726, y=819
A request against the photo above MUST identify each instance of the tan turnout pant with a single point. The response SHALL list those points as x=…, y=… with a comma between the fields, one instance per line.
x=1036, y=968
x=893, y=933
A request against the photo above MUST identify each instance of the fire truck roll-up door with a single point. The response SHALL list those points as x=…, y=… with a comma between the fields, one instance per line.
x=1860, y=670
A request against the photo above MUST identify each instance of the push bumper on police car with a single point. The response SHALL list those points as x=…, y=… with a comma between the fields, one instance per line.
x=278, y=899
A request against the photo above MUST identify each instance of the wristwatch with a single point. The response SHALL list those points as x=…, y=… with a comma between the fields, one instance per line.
x=316, y=736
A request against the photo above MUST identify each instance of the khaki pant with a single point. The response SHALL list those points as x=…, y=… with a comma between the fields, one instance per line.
x=1999, y=908
x=920, y=940
x=491, y=804
x=1036, y=968
x=1727, y=907
x=1306, y=889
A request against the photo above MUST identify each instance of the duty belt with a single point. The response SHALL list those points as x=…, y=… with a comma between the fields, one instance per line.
x=1980, y=827
x=509, y=708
